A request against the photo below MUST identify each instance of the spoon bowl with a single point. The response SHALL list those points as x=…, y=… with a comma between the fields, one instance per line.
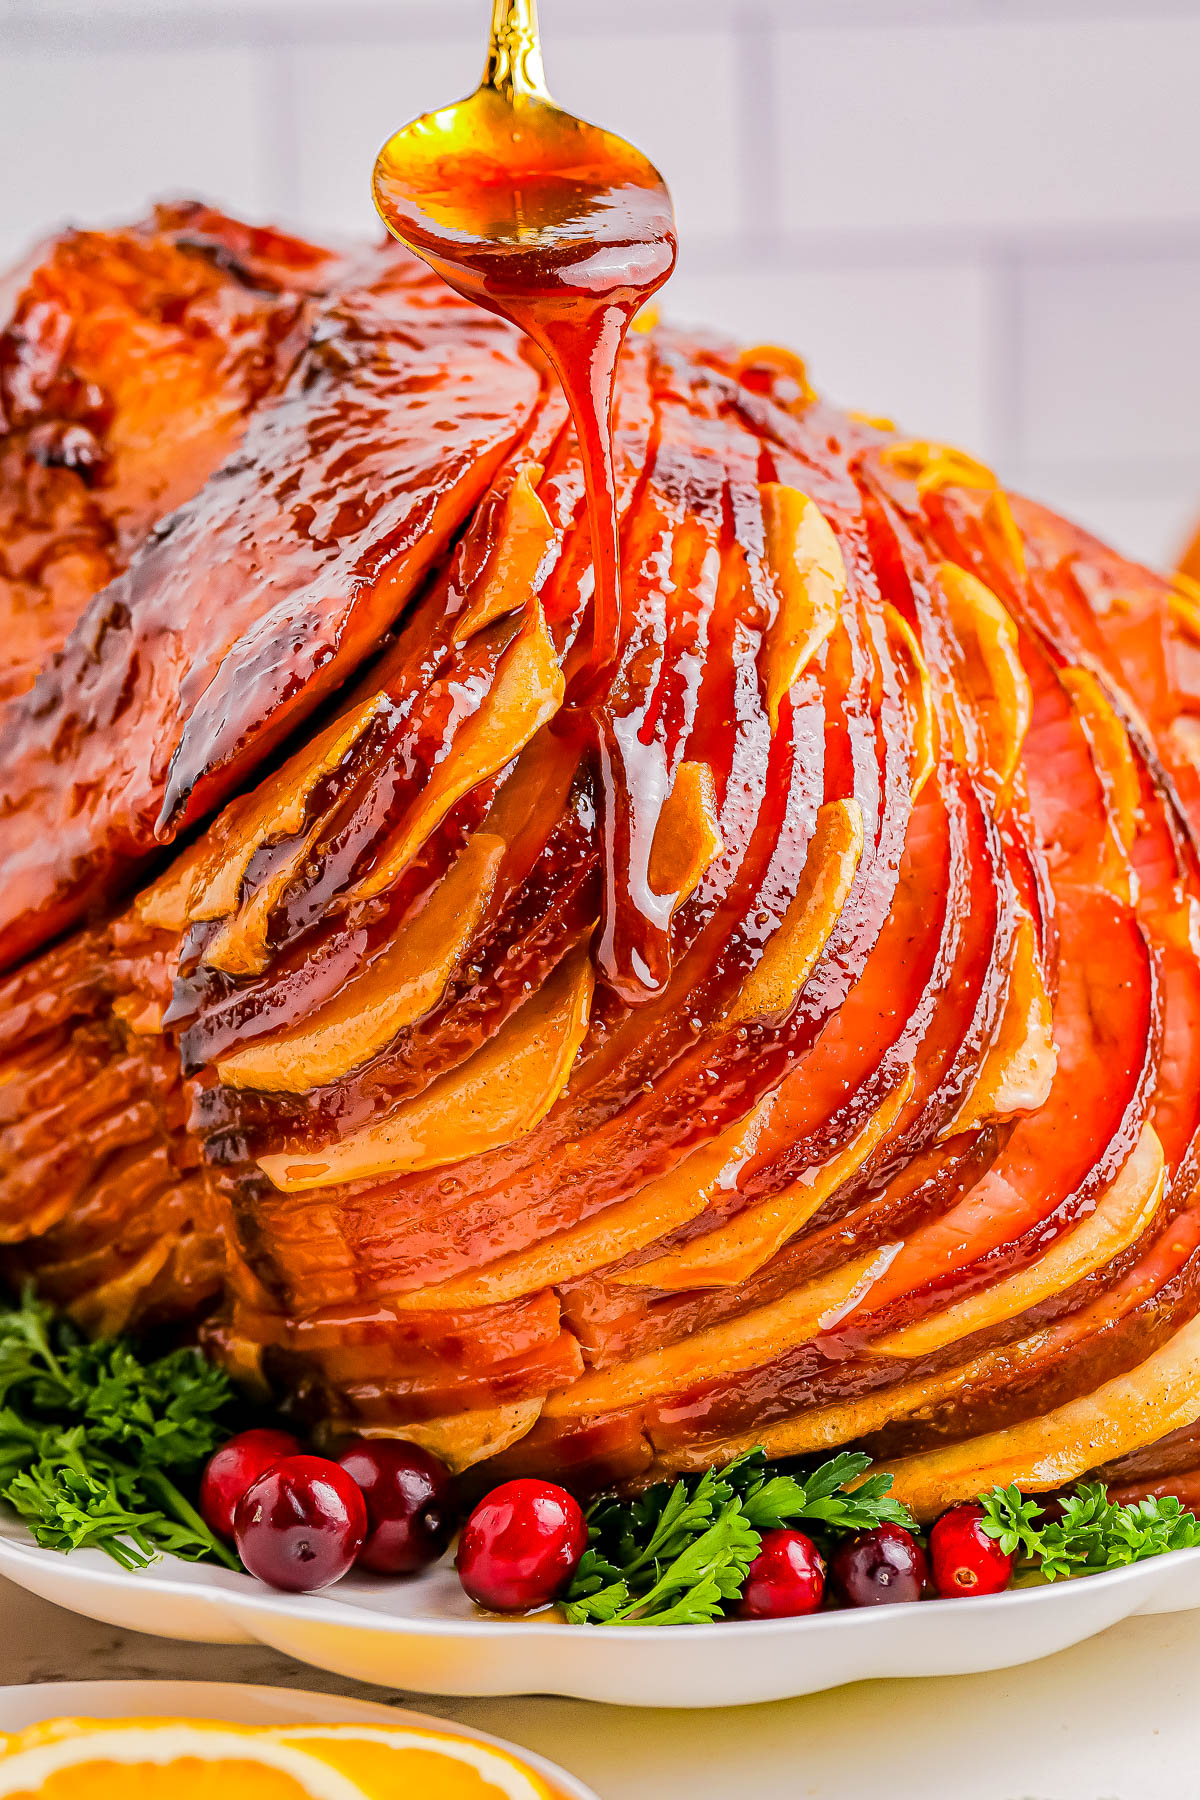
x=503, y=195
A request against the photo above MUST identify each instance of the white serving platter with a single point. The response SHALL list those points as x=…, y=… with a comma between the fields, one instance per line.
x=424, y=1635
x=236, y=1703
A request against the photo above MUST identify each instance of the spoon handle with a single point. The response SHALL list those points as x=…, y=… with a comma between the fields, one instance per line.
x=514, y=59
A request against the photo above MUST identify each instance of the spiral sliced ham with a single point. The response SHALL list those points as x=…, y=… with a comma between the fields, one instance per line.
x=304, y=1040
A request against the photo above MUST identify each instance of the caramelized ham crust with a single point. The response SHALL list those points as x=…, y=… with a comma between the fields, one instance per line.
x=129, y=361
x=901, y=1149
x=246, y=606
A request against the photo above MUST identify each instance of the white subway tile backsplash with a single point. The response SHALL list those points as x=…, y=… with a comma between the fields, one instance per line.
x=676, y=100
x=980, y=216
x=911, y=343
x=95, y=137
x=345, y=101
x=989, y=124
x=1111, y=358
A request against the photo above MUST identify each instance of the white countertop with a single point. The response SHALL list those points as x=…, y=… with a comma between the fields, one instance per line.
x=1114, y=1719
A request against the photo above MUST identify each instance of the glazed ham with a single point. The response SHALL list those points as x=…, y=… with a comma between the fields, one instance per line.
x=129, y=361
x=309, y=849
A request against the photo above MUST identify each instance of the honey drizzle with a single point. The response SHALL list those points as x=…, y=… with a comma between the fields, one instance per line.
x=566, y=231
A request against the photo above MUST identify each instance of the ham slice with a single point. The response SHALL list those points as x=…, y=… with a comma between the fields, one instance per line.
x=313, y=1036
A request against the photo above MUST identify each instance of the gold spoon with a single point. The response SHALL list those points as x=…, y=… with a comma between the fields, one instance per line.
x=558, y=225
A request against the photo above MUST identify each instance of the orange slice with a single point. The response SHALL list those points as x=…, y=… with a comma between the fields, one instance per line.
x=510, y=574
x=193, y=1759
x=500, y=1093
x=206, y=880
x=773, y=985
x=992, y=673
x=1111, y=750
x=1018, y=1070
x=687, y=836
x=917, y=692
x=805, y=563
x=403, y=984
x=779, y=361
x=465, y=1438
x=936, y=466
x=527, y=691
x=1002, y=534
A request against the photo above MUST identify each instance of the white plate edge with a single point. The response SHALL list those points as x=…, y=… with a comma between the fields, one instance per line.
x=317, y=1609
x=296, y=1706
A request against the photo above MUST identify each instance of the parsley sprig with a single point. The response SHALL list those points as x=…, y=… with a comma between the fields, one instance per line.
x=1088, y=1531
x=678, y=1554
x=99, y=1448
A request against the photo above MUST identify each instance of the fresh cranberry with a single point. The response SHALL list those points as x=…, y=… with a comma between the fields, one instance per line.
x=786, y=1578
x=410, y=1504
x=520, y=1546
x=302, y=1524
x=965, y=1559
x=879, y=1567
x=235, y=1467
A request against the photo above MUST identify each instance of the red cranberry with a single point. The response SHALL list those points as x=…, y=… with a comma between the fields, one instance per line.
x=965, y=1559
x=235, y=1467
x=410, y=1504
x=879, y=1567
x=786, y=1578
x=301, y=1525
x=520, y=1546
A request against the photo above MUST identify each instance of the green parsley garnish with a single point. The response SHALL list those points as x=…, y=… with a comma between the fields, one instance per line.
x=99, y=1448
x=1089, y=1532
x=678, y=1554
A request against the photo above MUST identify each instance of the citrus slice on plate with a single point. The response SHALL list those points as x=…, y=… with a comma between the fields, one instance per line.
x=193, y=1759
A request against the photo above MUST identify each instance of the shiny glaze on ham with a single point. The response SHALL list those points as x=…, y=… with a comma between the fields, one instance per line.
x=905, y=1150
